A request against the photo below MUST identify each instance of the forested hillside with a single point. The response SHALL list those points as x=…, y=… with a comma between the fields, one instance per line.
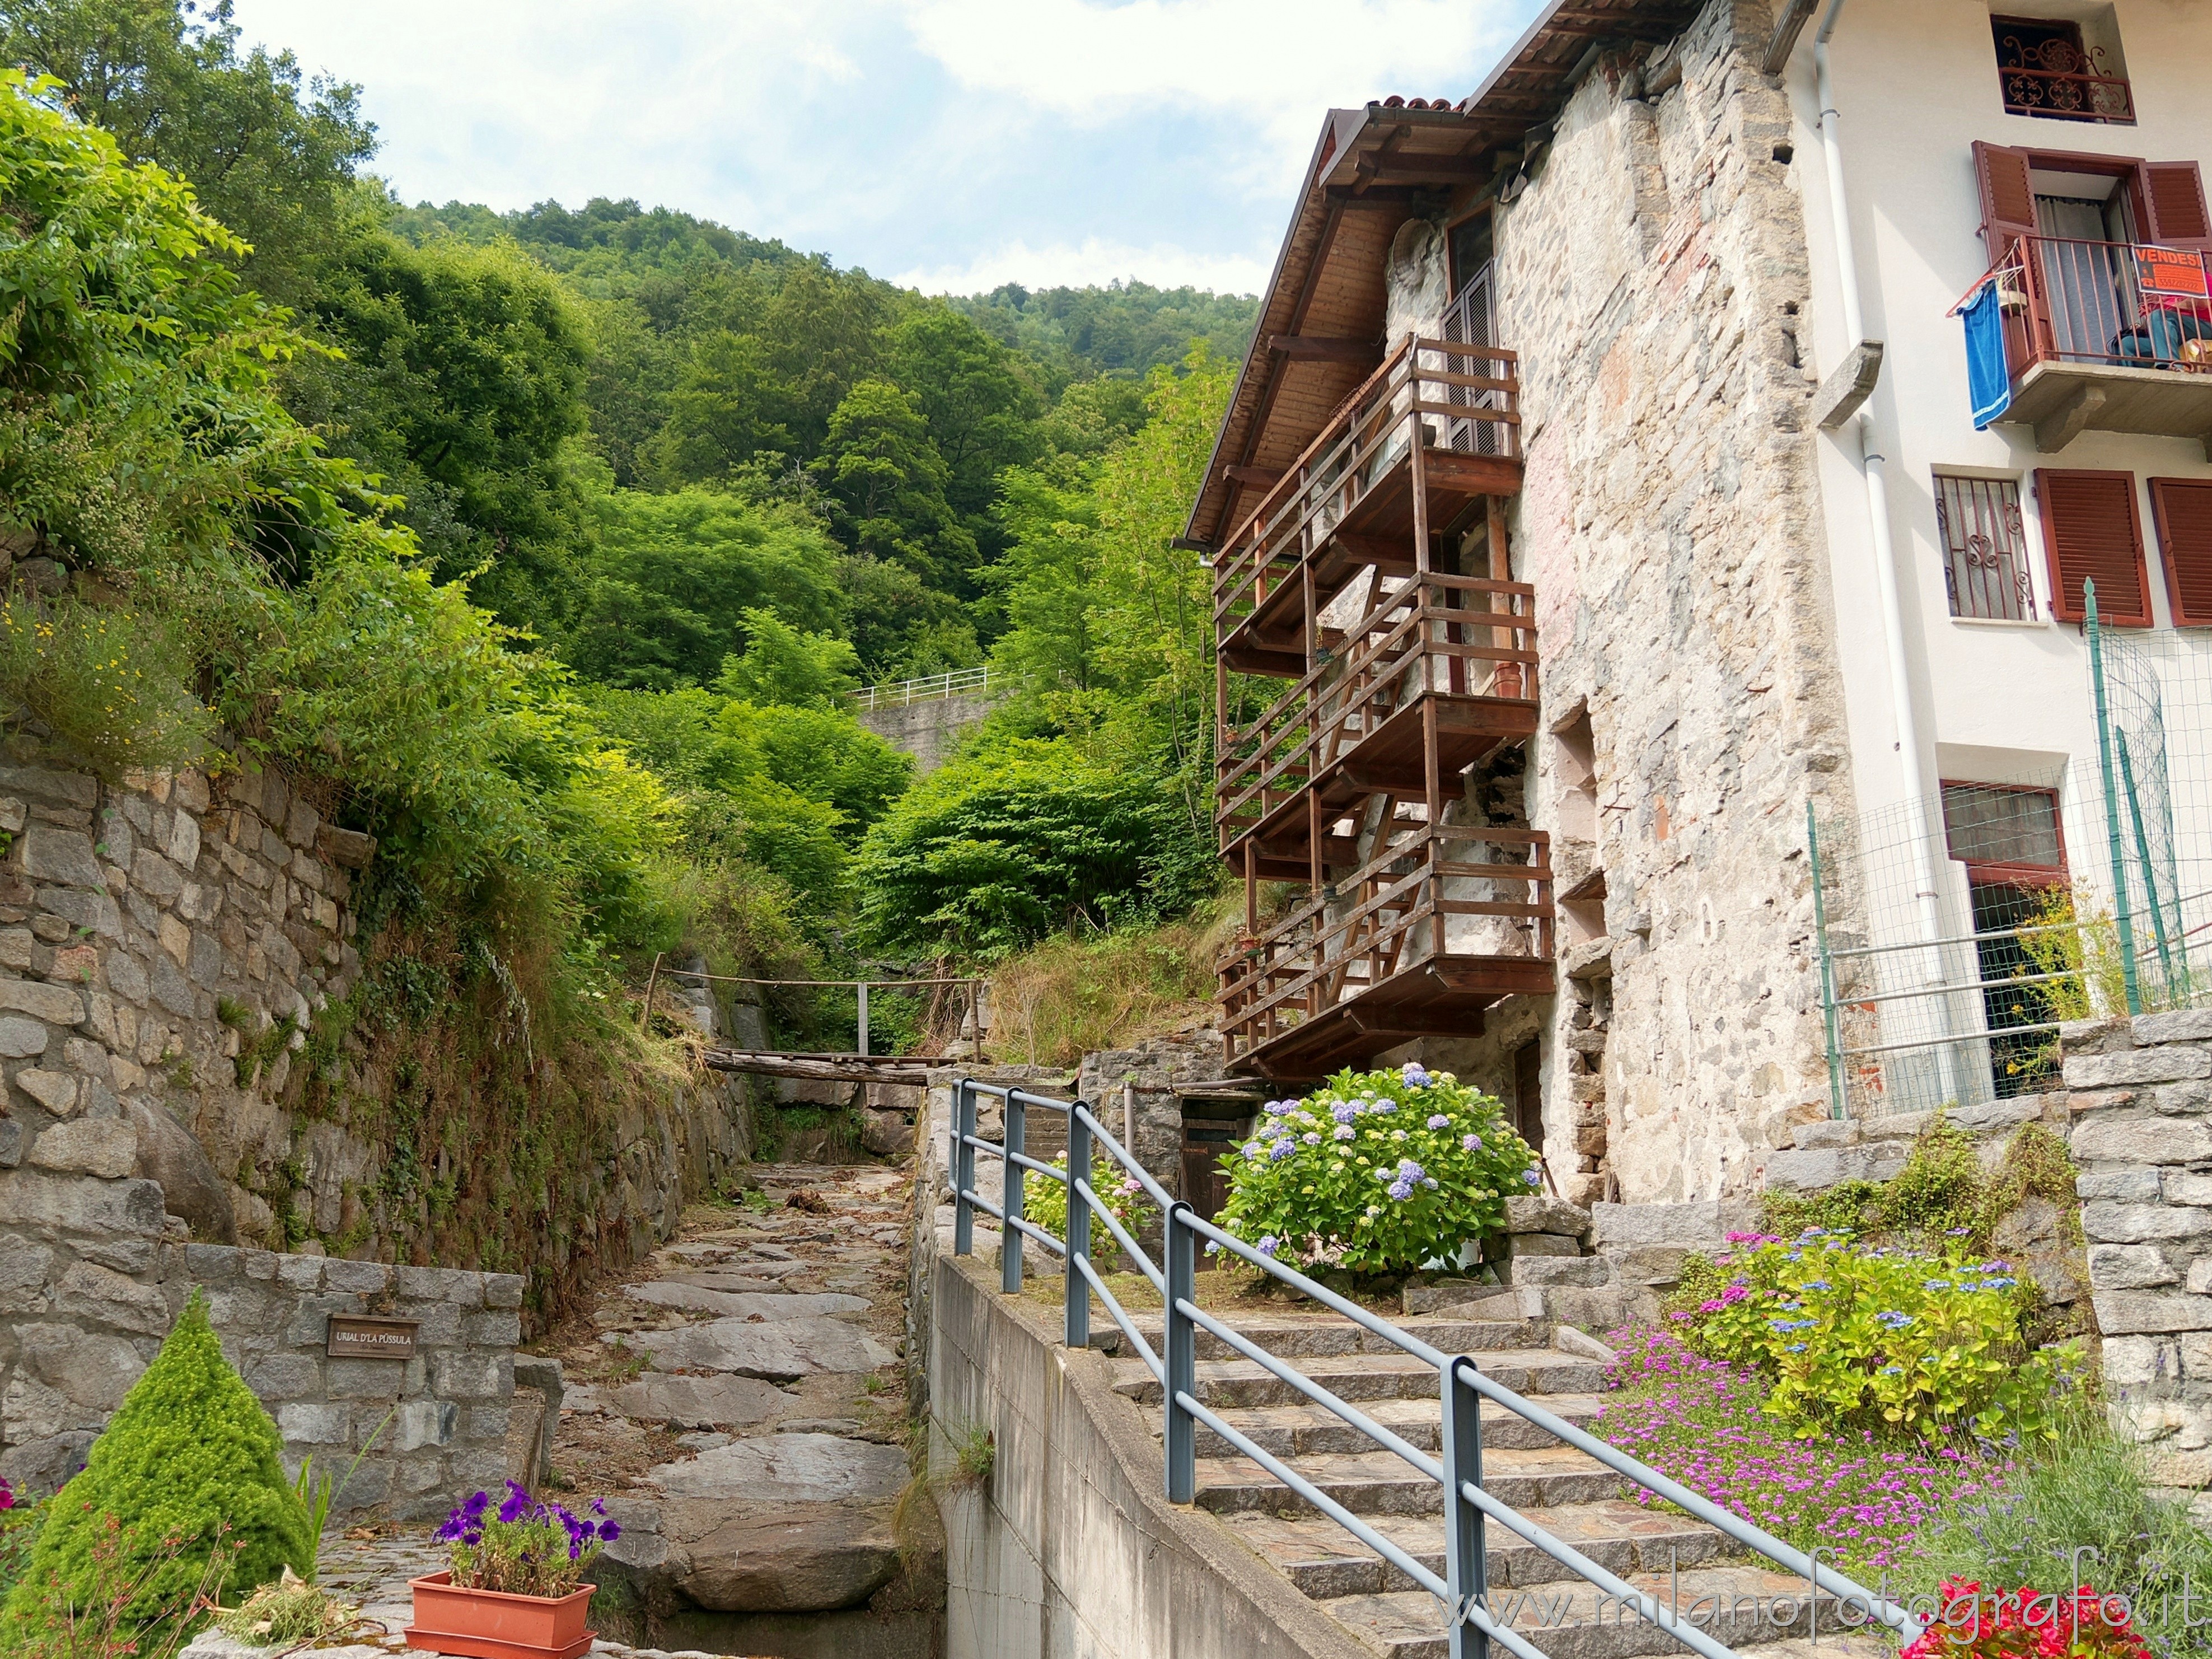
x=553, y=538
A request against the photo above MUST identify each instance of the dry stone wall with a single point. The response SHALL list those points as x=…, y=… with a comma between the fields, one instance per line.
x=1652, y=274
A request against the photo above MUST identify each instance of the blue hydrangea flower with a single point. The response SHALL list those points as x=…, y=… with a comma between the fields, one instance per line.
x=1530, y=1176
x=1343, y=1111
x=1794, y=1347
x=1439, y=1122
x=1470, y=1143
x=1283, y=1148
x=1401, y=1189
x=1269, y=1244
x=1935, y=1283
x=1893, y=1319
x=1344, y=1132
x=1415, y=1074
x=1386, y=1105
x=1818, y=1284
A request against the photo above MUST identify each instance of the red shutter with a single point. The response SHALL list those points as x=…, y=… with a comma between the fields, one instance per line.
x=2091, y=532
x=2182, y=510
x=2008, y=198
x=2173, y=192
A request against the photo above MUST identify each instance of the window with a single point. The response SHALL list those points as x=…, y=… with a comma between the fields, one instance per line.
x=2091, y=532
x=2010, y=839
x=2045, y=68
x=2182, y=510
x=1985, y=570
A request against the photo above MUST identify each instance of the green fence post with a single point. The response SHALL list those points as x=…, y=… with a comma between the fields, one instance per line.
x=2125, y=923
x=2150, y=870
x=1828, y=1022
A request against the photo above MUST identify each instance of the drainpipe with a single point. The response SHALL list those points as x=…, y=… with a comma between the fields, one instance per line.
x=1872, y=466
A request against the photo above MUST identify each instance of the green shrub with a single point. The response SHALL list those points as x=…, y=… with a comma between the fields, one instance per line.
x=1857, y=1336
x=106, y=681
x=189, y=1462
x=1045, y=1202
x=1377, y=1172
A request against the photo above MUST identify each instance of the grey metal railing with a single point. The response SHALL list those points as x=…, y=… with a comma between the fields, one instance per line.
x=1463, y=1586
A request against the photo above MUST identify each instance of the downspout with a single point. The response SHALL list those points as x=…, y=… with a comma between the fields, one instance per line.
x=1873, y=465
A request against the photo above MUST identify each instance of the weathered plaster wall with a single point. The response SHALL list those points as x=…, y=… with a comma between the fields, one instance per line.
x=1651, y=274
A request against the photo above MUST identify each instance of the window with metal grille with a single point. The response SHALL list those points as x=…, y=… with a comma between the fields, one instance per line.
x=1985, y=569
x=2004, y=832
x=2047, y=69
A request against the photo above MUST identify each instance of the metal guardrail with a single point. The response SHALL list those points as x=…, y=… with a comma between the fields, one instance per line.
x=1463, y=1587
x=931, y=688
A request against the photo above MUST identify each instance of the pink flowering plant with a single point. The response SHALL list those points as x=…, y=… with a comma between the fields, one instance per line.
x=1866, y=1498
x=1044, y=1201
x=1856, y=1336
x=524, y=1547
x=1376, y=1172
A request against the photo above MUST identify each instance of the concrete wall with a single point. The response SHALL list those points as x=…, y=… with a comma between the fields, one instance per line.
x=930, y=731
x=86, y=1313
x=1651, y=276
x=1070, y=1549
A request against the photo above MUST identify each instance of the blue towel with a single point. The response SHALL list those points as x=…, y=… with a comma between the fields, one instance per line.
x=1989, y=381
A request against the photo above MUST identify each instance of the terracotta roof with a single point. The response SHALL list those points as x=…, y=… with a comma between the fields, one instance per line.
x=1371, y=170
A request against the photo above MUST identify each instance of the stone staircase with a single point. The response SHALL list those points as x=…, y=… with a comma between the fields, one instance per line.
x=1559, y=1488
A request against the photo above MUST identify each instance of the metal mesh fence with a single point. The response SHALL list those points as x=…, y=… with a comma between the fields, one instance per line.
x=1958, y=932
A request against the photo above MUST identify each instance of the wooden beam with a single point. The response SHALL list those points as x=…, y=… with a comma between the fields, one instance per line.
x=1783, y=41
x=1401, y=169
x=1320, y=348
x=1375, y=196
x=1391, y=552
x=819, y=1068
x=1262, y=478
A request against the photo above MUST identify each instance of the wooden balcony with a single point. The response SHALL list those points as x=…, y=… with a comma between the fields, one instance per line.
x=1436, y=673
x=1402, y=458
x=1393, y=953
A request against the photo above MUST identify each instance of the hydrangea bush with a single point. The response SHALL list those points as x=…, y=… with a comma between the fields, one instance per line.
x=1376, y=1172
x=1044, y=1201
x=1860, y=1336
x=524, y=1547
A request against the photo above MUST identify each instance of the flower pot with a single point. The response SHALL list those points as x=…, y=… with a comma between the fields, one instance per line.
x=493, y=1624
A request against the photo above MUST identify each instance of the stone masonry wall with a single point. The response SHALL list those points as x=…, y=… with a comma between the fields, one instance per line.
x=78, y=1333
x=1651, y=275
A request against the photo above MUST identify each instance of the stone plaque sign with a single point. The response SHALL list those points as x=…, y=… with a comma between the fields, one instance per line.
x=360, y=1336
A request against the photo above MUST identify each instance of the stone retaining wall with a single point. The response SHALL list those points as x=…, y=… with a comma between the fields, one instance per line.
x=79, y=1331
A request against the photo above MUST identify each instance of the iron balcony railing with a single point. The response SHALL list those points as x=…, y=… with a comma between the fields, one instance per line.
x=2131, y=305
x=2055, y=77
x=1429, y=387
x=931, y=688
x=1470, y=1507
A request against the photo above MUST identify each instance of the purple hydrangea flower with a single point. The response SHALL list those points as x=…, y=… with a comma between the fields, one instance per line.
x=1439, y=1122
x=1268, y=1245
x=1310, y=1138
x=1283, y=1148
x=1344, y=1132
x=1343, y=1111
x=1530, y=1176
x=1470, y=1143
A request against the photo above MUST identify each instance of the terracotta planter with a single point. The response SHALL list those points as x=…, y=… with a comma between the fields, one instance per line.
x=493, y=1624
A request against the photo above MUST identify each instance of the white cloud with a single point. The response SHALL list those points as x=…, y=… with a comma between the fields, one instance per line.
x=1092, y=260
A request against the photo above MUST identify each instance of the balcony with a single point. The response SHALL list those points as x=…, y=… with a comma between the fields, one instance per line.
x=1417, y=944
x=1404, y=456
x=2106, y=336
x=1436, y=673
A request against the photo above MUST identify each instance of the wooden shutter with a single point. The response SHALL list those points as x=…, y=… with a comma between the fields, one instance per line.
x=2091, y=532
x=2182, y=510
x=2173, y=198
x=2008, y=198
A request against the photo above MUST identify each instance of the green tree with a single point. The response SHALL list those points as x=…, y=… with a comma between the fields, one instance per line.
x=189, y=1455
x=825, y=755
x=727, y=406
x=270, y=153
x=671, y=579
x=783, y=667
x=461, y=386
x=886, y=482
x=981, y=413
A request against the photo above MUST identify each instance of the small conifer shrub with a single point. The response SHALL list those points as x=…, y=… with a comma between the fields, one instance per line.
x=189, y=1463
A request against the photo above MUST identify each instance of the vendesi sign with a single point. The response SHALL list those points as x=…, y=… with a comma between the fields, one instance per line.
x=363, y=1336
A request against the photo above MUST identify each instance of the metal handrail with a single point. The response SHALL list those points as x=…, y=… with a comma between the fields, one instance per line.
x=1463, y=1587
x=930, y=688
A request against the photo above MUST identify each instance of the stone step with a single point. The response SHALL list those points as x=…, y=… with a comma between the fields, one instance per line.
x=1383, y=1483
x=1303, y=1431
x=1575, y=1620
x=1535, y=1371
x=1320, y=1336
x=1326, y=1562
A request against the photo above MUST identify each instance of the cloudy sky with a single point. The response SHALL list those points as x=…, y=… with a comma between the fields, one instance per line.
x=951, y=144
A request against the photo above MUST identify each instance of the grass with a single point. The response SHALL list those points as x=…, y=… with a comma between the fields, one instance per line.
x=1057, y=1001
x=975, y=1453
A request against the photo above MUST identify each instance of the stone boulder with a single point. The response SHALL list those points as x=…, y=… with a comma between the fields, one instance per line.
x=191, y=1189
x=700, y=1402
x=777, y=1523
x=887, y=1134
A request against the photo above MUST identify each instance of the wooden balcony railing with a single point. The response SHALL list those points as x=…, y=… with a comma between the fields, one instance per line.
x=1467, y=420
x=2129, y=304
x=1420, y=635
x=1385, y=935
